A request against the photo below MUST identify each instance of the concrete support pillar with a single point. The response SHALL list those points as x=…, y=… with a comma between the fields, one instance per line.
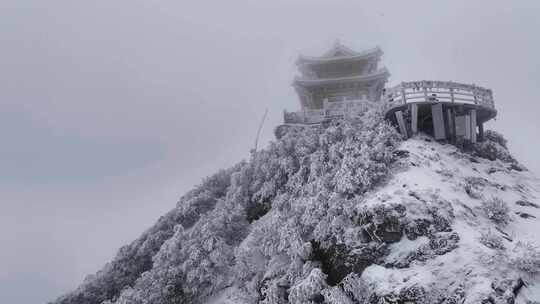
x=460, y=126
x=401, y=123
x=468, y=127
x=372, y=92
x=414, y=118
x=451, y=125
x=454, y=130
x=473, y=126
x=481, y=131
x=438, y=121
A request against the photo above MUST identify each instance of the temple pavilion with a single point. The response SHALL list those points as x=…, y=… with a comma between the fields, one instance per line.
x=341, y=74
x=342, y=82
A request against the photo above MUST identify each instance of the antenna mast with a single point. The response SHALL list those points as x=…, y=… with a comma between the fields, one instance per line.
x=259, y=130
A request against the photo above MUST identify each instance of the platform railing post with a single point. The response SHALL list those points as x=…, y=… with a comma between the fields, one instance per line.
x=403, y=95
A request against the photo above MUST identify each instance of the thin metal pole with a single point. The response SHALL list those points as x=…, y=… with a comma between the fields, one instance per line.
x=260, y=128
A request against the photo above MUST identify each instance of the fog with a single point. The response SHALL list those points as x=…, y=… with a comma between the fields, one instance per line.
x=111, y=110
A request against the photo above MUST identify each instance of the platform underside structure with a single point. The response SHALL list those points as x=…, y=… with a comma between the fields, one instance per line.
x=446, y=110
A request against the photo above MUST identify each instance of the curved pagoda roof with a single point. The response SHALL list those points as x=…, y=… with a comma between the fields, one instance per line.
x=340, y=53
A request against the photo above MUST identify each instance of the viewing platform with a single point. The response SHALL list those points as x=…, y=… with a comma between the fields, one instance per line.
x=444, y=109
x=440, y=91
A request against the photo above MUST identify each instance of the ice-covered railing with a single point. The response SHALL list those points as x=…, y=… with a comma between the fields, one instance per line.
x=439, y=91
x=304, y=117
x=331, y=109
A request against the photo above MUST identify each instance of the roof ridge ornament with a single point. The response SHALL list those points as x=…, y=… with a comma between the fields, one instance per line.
x=339, y=50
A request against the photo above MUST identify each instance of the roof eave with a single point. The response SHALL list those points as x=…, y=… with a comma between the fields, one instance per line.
x=302, y=82
x=365, y=55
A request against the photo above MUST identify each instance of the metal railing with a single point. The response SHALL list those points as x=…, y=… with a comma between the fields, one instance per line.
x=406, y=92
x=439, y=91
x=330, y=110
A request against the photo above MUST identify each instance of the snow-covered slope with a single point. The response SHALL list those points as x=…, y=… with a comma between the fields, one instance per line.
x=481, y=255
x=341, y=213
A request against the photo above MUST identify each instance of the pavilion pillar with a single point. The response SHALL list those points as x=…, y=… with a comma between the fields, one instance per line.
x=414, y=119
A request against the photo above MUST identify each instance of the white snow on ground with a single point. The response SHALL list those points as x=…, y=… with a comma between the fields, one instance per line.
x=229, y=295
x=401, y=249
x=443, y=171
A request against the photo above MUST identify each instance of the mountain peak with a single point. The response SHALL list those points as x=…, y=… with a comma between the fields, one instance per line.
x=341, y=212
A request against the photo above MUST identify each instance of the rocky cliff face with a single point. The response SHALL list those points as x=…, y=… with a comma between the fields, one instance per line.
x=342, y=213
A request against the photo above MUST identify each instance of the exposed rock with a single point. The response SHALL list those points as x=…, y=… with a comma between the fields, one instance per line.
x=517, y=167
x=473, y=160
x=338, y=261
x=382, y=223
x=318, y=298
x=492, y=170
x=257, y=210
x=504, y=291
x=401, y=153
x=525, y=215
x=525, y=203
x=504, y=285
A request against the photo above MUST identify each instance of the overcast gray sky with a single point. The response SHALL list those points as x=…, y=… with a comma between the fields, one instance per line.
x=110, y=110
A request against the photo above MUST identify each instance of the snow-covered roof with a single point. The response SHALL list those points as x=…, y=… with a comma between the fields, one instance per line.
x=340, y=53
x=339, y=50
x=306, y=82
